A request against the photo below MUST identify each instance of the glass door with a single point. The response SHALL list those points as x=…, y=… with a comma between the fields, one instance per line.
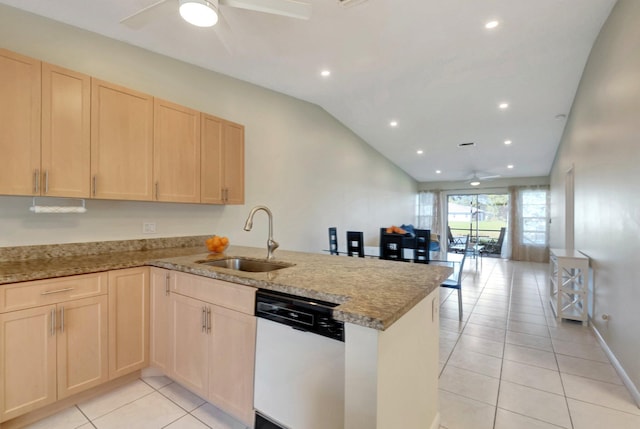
x=480, y=217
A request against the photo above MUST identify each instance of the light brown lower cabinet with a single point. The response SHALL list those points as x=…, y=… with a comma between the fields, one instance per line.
x=128, y=321
x=62, y=336
x=160, y=319
x=51, y=351
x=212, y=339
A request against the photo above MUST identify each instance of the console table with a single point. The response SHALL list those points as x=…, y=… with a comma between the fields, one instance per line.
x=568, y=284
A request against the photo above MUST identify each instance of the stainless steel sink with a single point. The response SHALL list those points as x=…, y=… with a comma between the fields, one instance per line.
x=245, y=264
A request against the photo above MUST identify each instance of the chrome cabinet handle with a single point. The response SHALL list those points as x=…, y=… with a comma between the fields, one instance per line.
x=49, y=292
x=62, y=319
x=166, y=284
x=94, y=184
x=204, y=322
x=36, y=181
x=157, y=191
x=208, y=319
x=46, y=181
x=52, y=330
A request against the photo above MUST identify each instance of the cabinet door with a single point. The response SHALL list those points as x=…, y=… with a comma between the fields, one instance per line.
x=231, y=362
x=211, y=161
x=20, y=131
x=189, y=362
x=160, y=316
x=128, y=320
x=82, y=345
x=222, y=161
x=27, y=360
x=66, y=132
x=121, y=142
x=233, y=159
x=176, y=153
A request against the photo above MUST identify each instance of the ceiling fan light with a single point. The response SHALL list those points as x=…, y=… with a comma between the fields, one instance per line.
x=474, y=182
x=200, y=13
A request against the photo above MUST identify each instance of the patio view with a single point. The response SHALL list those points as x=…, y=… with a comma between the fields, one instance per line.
x=479, y=216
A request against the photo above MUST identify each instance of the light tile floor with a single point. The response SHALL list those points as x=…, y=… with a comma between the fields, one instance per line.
x=507, y=365
x=510, y=365
x=147, y=403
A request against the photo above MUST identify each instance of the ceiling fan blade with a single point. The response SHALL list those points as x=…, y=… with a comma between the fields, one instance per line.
x=290, y=8
x=149, y=14
x=224, y=33
x=492, y=176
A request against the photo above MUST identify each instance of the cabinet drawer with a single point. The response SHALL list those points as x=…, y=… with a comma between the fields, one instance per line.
x=18, y=296
x=225, y=294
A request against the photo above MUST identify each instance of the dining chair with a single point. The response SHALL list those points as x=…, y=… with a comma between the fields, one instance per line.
x=454, y=281
x=355, y=243
x=422, y=246
x=333, y=241
x=494, y=246
x=391, y=247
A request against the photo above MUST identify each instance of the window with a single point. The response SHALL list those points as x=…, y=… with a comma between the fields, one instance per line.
x=534, y=217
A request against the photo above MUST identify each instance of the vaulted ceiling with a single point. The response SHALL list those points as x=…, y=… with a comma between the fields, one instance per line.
x=430, y=65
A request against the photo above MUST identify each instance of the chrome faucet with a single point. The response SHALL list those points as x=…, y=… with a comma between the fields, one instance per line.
x=271, y=243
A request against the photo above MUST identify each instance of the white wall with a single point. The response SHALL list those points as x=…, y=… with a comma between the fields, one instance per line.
x=601, y=141
x=306, y=166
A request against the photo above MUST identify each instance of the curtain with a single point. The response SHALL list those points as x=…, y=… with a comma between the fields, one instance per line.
x=428, y=214
x=529, y=223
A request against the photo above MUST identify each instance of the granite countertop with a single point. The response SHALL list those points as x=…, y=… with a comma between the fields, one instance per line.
x=370, y=292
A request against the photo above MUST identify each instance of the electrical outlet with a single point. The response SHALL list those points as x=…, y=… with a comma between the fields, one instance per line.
x=148, y=227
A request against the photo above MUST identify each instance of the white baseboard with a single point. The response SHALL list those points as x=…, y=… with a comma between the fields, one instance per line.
x=633, y=390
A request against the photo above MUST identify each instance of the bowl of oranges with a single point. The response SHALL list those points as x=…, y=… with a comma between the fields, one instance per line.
x=217, y=244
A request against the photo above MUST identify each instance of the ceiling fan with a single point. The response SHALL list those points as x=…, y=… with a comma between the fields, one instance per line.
x=477, y=177
x=206, y=13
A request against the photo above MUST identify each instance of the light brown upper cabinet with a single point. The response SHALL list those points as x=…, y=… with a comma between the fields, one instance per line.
x=176, y=153
x=121, y=143
x=39, y=97
x=222, y=161
x=20, y=104
x=66, y=132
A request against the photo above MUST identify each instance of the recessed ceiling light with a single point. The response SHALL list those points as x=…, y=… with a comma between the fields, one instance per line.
x=510, y=166
x=393, y=123
x=507, y=142
x=419, y=151
x=503, y=105
x=325, y=73
x=438, y=171
x=491, y=24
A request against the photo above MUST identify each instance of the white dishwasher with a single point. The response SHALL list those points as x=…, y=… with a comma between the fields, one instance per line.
x=299, y=378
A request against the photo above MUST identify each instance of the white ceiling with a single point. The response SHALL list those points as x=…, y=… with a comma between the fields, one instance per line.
x=429, y=64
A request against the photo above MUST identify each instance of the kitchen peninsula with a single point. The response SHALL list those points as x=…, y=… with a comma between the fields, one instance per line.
x=390, y=311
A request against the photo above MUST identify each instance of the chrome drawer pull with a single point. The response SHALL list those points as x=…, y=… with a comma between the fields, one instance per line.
x=49, y=292
x=53, y=322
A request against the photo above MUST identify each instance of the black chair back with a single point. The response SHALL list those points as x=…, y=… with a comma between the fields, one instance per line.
x=333, y=240
x=391, y=247
x=355, y=243
x=423, y=242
